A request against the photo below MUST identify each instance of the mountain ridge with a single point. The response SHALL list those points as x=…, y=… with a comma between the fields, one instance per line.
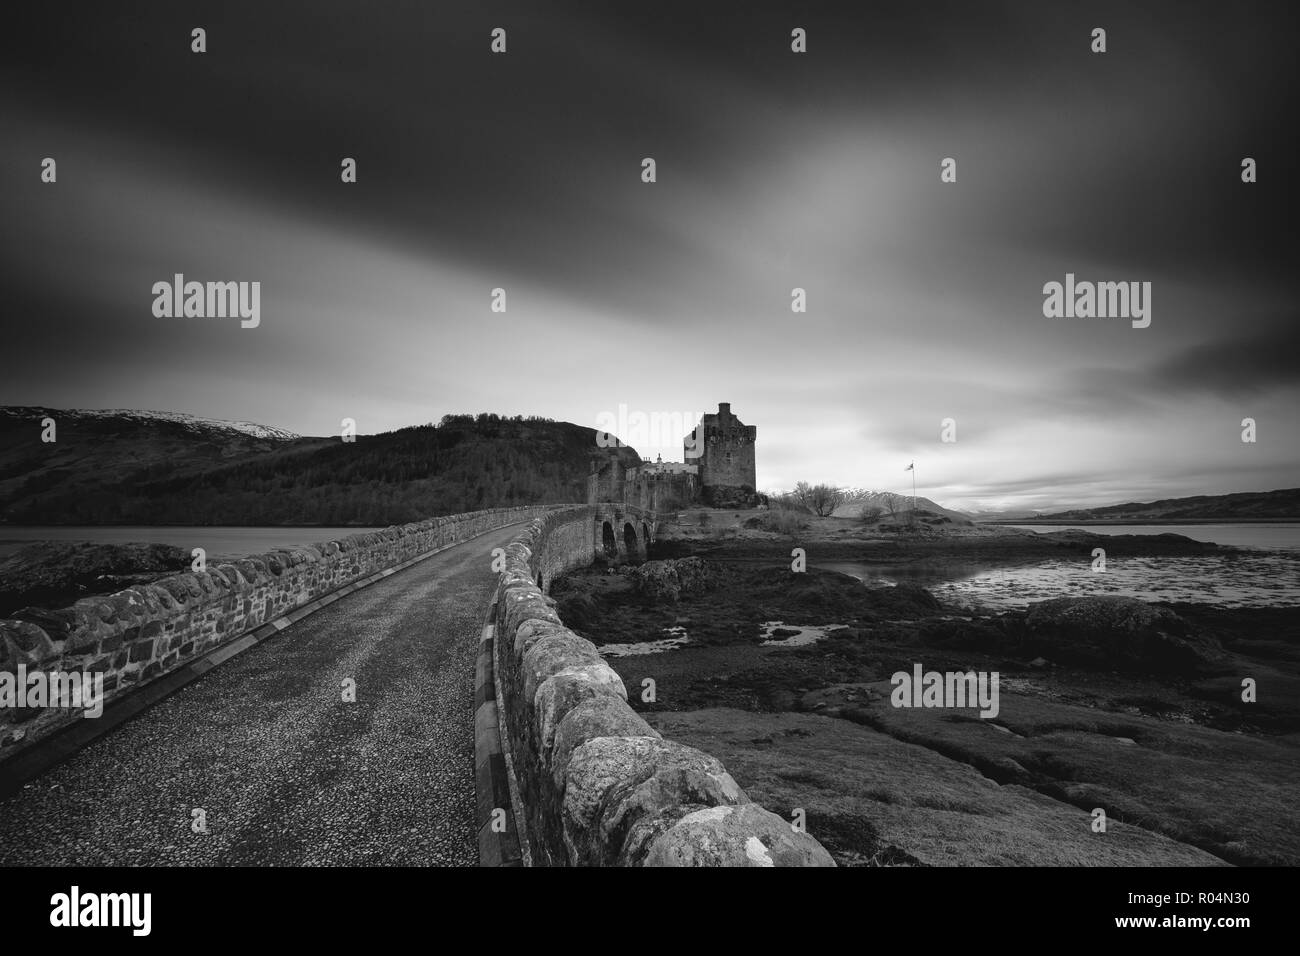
x=1280, y=504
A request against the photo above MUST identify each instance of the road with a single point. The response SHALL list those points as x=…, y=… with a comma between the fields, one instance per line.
x=285, y=771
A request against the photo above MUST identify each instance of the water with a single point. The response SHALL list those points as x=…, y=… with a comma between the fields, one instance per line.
x=804, y=636
x=676, y=638
x=1269, y=535
x=1266, y=577
x=218, y=542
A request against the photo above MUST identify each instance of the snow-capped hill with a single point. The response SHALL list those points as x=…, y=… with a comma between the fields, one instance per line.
x=191, y=422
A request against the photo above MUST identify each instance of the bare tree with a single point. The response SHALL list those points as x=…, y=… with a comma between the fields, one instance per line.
x=894, y=503
x=821, y=500
x=784, y=501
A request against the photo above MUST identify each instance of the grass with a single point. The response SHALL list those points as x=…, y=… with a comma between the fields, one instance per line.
x=872, y=799
x=1229, y=794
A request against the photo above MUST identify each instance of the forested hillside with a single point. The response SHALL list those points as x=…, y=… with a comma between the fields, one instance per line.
x=141, y=471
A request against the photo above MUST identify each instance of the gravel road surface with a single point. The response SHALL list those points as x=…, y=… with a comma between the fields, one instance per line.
x=285, y=771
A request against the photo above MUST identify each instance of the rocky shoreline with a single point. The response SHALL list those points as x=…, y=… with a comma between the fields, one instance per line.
x=1107, y=703
x=56, y=574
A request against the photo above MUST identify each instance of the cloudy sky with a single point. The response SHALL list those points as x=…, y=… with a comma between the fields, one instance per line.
x=774, y=170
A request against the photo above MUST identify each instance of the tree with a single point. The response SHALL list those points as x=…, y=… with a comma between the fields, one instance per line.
x=821, y=500
x=870, y=513
x=894, y=503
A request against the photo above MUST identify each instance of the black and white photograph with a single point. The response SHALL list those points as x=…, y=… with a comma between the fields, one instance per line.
x=650, y=435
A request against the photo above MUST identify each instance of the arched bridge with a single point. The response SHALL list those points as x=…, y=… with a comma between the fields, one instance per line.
x=622, y=533
x=357, y=724
x=397, y=613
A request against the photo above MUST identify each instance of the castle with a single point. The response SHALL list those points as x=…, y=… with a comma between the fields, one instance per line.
x=718, y=471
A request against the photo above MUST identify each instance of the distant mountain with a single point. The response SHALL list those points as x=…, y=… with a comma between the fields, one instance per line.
x=860, y=498
x=1245, y=506
x=128, y=467
x=1012, y=514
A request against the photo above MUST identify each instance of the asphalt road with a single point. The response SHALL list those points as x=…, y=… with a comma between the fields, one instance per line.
x=285, y=771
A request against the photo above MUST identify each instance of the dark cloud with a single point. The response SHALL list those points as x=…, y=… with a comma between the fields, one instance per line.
x=775, y=171
x=1235, y=366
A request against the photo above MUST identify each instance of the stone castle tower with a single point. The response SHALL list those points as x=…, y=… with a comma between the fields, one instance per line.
x=723, y=446
x=718, y=471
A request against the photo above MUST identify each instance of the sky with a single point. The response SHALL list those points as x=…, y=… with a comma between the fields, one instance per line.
x=774, y=171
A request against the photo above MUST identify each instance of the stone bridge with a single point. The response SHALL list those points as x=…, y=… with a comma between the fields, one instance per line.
x=367, y=712
x=622, y=533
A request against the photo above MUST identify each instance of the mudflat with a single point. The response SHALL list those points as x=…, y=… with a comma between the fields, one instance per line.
x=1127, y=732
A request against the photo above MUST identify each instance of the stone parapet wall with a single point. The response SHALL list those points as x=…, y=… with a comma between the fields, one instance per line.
x=137, y=635
x=598, y=785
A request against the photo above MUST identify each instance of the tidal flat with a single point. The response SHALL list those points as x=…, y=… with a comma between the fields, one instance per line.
x=1134, y=708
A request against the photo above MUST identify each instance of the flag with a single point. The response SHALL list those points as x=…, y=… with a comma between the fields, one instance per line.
x=910, y=467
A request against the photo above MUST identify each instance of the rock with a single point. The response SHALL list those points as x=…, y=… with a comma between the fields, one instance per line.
x=561, y=692
x=532, y=631
x=1118, y=632
x=607, y=716
x=55, y=574
x=977, y=634
x=594, y=768
x=579, y=609
x=669, y=580
x=744, y=835
x=59, y=625
x=25, y=643
x=614, y=782
x=682, y=777
x=731, y=497
x=908, y=599
x=552, y=654
x=520, y=604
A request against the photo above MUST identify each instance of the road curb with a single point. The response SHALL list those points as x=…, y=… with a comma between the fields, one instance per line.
x=501, y=841
x=31, y=763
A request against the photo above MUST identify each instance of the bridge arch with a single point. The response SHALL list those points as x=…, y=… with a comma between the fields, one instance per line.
x=621, y=532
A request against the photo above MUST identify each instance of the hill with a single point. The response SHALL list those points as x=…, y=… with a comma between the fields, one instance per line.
x=1278, y=505
x=860, y=499
x=165, y=469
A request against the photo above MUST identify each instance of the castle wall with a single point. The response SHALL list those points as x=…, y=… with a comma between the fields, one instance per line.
x=728, y=458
